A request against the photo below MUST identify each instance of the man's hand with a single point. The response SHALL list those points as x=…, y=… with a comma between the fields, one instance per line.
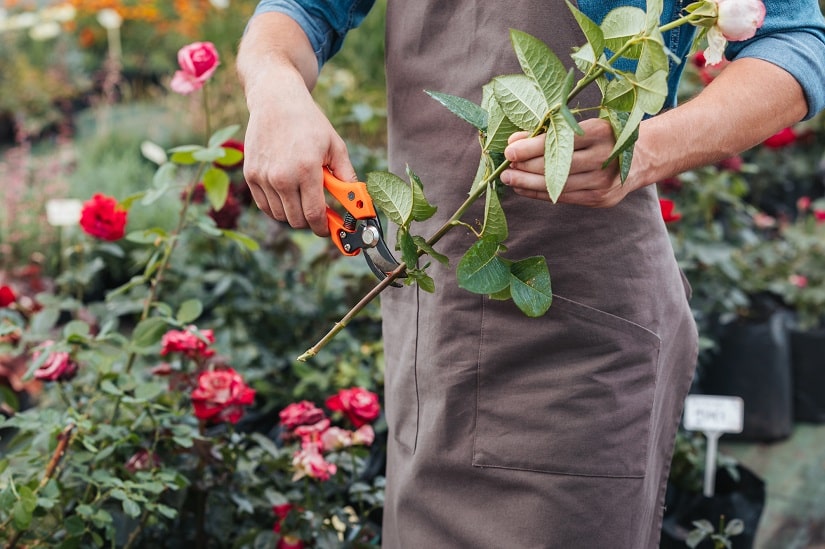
x=288, y=139
x=588, y=183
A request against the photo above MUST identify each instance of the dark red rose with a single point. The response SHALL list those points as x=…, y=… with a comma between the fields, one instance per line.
x=300, y=413
x=7, y=296
x=187, y=343
x=221, y=396
x=102, y=218
x=359, y=405
x=669, y=213
x=58, y=366
x=227, y=217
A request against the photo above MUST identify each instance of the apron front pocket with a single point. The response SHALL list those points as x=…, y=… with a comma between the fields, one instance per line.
x=568, y=393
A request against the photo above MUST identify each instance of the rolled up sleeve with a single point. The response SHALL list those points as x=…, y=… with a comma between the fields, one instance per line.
x=793, y=38
x=325, y=22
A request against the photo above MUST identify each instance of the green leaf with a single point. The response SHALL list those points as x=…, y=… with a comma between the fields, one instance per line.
x=147, y=236
x=620, y=94
x=244, y=240
x=621, y=24
x=541, y=65
x=185, y=154
x=652, y=92
x=20, y=516
x=392, y=195
x=221, y=135
x=567, y=87
x=500, y=127
x=625, y=155
x=530, y=286
x=462, y=108
x=424, y=281
x=592, y=32
x=230, y=157
x=409, y=251
x=211, y=154
x=630, y=130
x=421, y=243
x=653, y=9
x=76, y=329
x=131, y=508
x=654, y=57
x=495, y=222
x=422, y=210
x=558, y=155
x=216, y=183
x=481, y=270
x=149, y=331
x=735, y=527
x=521, y=100
x=189, y=311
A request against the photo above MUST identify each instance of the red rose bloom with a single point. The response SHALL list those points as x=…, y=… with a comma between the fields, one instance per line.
x=290, y=542
x=102, y=218
x=300, y=413
x=221, y=395
x=669, y=213
x=57, y=367
x=188, y=343
x=359, y=405
x=781, y=139
x=7, y=296
x=819, y=215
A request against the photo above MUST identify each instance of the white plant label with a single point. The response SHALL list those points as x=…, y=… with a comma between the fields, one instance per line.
x=708, y=413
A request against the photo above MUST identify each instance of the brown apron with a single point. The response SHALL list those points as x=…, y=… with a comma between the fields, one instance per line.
x=507, y=431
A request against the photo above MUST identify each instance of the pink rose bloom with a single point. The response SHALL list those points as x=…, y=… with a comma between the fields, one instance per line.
x=803, y=203
x=309, y=462
x=359, y=405
x=781, y=139
x=364, y=436
x=798, y=280
x=312, y=433
x=58, y=366
x=737, y=20
x=197, y=62
x=290, y=542
x=764, y=221
x=300, y=413
x=221, y=396
x=188, y=343
x=336, y=438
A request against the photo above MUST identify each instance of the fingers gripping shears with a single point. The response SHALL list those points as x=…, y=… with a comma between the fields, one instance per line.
x=359, y=228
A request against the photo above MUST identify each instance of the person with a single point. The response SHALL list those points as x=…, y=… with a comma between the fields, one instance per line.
x=508, y=431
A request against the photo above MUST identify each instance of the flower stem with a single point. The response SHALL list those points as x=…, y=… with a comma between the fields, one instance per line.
x=595, y=72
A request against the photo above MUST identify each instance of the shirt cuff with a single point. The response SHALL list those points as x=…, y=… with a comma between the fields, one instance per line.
x=320, y=34
x=800, y=53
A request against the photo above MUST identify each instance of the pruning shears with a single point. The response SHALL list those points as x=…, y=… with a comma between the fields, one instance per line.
x=359, y=228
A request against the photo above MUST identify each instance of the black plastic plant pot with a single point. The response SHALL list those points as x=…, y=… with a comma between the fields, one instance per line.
x=808, y=360
x=754, y=363
x=740, y=498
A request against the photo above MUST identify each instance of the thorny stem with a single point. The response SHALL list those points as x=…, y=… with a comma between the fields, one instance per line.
x=480, y=189
x=63, y=440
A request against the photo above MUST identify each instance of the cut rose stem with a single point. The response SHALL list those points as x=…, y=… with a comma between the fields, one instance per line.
x=398, y=271
x=594, y=73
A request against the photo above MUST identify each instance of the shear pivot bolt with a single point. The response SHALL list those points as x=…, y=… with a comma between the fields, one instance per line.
x=370, y=236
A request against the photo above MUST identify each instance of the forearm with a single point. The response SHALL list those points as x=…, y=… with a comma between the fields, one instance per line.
x=275, y=49
x=747, y=103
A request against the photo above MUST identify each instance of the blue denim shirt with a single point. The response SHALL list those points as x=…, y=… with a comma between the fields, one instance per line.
x=792, y=36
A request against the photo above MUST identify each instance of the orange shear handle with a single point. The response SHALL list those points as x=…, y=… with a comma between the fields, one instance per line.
x=356, y=200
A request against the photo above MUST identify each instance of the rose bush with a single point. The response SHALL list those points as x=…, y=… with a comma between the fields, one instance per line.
x=157, y=422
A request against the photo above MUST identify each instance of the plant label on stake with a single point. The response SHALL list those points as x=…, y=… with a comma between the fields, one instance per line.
x=714, y=416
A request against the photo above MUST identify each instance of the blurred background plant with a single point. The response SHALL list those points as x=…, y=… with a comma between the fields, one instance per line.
x=84, y=100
